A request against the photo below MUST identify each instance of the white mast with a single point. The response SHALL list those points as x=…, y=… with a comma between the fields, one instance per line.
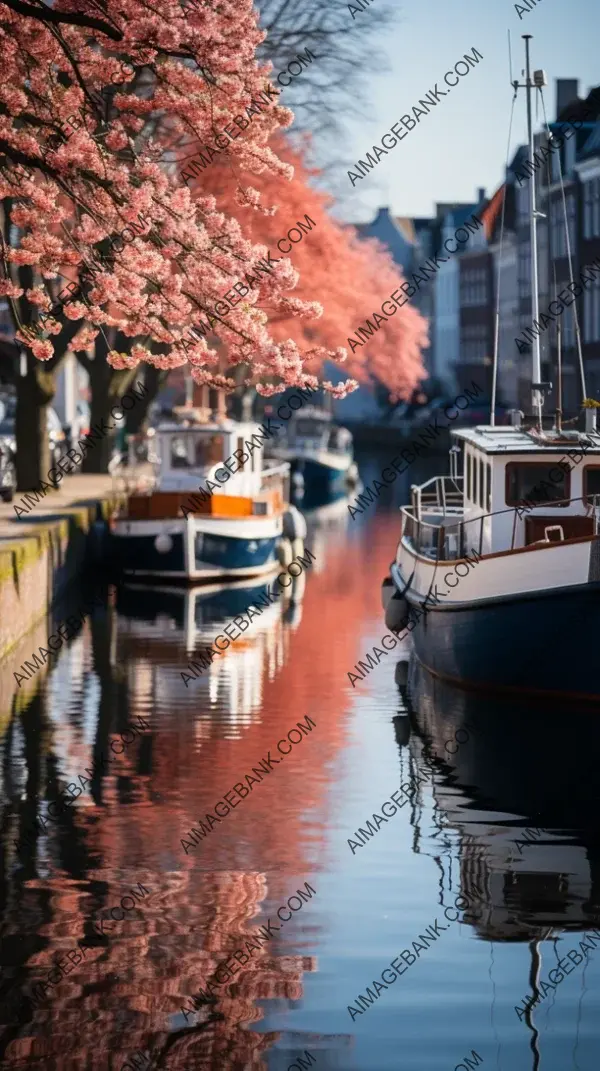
x=537, y=397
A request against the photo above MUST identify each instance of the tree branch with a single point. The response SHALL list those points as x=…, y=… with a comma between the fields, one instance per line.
x=47, y=14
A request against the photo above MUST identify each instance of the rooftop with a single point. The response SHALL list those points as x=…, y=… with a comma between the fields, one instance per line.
x=505, y=439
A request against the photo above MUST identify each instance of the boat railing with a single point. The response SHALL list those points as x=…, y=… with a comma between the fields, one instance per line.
x=138, y=478
x=441, y=494
x=448, y=542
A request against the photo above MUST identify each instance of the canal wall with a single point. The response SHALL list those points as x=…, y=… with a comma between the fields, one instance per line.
x=37, y=571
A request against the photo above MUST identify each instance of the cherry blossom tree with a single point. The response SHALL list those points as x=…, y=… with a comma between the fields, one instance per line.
x=76, y=178
x=349, y=276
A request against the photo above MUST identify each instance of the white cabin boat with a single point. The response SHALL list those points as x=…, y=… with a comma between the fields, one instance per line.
x=208, y=512
x=320, y=453
x=501, y=567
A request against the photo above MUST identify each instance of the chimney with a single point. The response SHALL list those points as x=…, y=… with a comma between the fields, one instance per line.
x=480, y=194
x=567, y=90
x=382, y=213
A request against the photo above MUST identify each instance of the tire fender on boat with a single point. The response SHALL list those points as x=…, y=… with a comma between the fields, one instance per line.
x=297, y=547
x=396, y=614
x=298, y=587
x=294, y=524
x=284, y=553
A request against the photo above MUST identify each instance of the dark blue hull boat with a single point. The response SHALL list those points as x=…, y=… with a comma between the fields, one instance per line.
x=544, y=643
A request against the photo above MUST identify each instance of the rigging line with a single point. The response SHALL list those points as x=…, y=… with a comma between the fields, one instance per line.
x=493, y=1006
x=497, y=313
x=534, y=974
x=510, y=60
x=569, y=253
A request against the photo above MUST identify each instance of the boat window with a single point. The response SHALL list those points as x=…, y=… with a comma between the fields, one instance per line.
x=489, y=489
x=469, y=476
x=179, y=452
x=240, y=453
x=339, y=439
x=532, y=483
x=591, y=483
x=309, y=428
x=209, y=449
x=481, y=497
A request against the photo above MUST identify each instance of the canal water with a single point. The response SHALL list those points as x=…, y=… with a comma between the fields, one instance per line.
x=476, y=883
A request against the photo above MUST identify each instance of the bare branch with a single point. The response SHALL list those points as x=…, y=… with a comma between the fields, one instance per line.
x=48, y=14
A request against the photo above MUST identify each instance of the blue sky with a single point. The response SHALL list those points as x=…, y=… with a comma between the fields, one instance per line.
x=461, y=144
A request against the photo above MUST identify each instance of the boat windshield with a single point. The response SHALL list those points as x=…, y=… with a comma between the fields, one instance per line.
x=339, y=439
x=196, y=452
x=310, y=428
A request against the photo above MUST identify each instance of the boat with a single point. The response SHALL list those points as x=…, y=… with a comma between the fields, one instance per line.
x=320, y=454
x=521, y=505
x=204, y=507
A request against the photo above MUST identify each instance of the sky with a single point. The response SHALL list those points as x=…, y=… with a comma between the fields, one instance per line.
x=461, y=145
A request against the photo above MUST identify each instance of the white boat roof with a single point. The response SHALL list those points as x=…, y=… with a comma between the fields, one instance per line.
x=506, y=439
x=226, y=426
x=314, y=413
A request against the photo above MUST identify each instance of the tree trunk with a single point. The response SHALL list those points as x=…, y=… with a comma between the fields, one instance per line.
x=154, y=380
x=107, y=386
x=34, y=391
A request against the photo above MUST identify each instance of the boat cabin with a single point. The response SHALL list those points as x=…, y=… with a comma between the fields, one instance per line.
x=225, y=460
x=314, y=430
x=194, y=454
x=516, y=489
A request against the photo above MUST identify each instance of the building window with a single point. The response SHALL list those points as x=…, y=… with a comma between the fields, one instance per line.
x=473, y=287
x=591, y=312
x=474, y=343
x=587, y=208
x=587, y=316
x=572, y=222
x=558, y=236
x=524, y=268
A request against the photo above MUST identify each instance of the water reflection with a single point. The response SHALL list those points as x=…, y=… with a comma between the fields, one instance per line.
x=515, y=769
x=125, y=828
x=517, y=822
x=155, y=624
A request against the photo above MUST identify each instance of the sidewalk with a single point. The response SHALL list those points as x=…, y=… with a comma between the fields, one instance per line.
x=75, y=490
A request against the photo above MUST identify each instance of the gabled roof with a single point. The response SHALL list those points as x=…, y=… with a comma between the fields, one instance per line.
x=587, y=109
x=406, y=225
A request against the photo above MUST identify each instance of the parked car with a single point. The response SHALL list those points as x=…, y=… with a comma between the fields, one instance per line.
x=8, y=473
